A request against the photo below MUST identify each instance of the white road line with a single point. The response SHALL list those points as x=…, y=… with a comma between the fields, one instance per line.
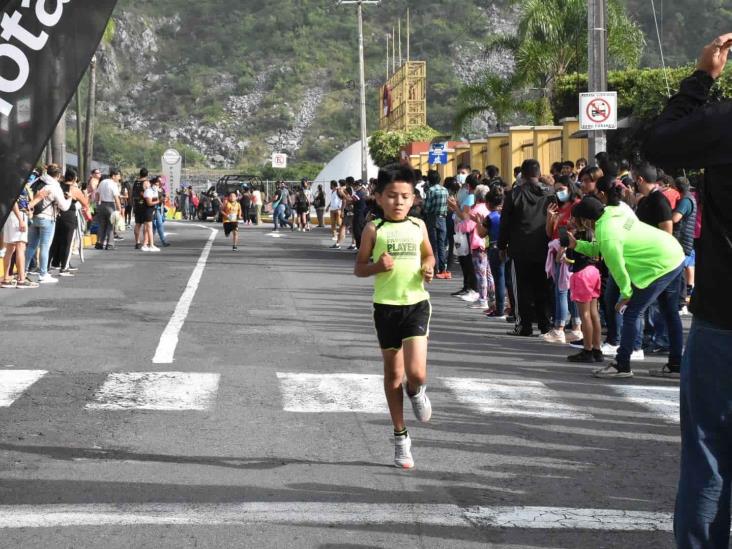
x=663, y=401
x=14, y=382
x=512, y=398
x=169, y=340
x=556, y=518
x=315, y=393
x=328, y=514
x=156, y=391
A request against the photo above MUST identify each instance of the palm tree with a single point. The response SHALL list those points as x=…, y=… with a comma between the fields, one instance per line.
x=551, y=41
x=492, y=93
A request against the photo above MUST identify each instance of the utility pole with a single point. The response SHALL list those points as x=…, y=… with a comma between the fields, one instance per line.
x=597, y=64
x=362, y=73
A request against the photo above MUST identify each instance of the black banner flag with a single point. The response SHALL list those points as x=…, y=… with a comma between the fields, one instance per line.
x=45, y=49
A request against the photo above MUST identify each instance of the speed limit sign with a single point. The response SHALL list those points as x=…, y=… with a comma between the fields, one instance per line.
x=279, y=160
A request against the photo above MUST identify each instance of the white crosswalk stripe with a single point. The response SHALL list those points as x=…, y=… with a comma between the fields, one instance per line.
x=14, y=383
x=312, y=393
x=510, y=397
x=662, y=401
x=156, y=391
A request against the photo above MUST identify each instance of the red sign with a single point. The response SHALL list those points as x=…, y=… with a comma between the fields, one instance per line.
x=599, y=110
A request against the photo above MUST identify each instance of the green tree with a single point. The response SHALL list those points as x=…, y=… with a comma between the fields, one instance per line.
x=385, y=146
x=492, y=93
x=551, y=41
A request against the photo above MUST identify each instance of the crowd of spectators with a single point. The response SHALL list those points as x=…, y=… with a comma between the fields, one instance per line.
x=513, y=242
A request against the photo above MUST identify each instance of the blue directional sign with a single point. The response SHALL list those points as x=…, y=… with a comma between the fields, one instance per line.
x=437, y=154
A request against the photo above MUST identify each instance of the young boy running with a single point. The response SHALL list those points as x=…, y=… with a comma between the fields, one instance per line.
x=396, y=250
x=232, y=214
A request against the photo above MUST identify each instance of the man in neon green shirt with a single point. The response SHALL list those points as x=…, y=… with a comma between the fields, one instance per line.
x=647, y=264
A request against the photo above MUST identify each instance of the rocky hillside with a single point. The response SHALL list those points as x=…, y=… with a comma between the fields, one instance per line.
x=236, y=79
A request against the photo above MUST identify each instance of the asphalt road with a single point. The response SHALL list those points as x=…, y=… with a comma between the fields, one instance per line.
x=269, y=428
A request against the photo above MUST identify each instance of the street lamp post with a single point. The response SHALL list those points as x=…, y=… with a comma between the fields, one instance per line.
x=362, y=74
x=597, y=64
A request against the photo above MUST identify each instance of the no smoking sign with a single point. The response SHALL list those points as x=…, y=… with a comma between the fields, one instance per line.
x=599, y=111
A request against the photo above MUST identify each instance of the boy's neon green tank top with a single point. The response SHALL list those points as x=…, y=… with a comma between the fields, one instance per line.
x=403, y=285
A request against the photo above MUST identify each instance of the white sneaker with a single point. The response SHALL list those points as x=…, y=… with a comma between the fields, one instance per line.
x=554, y=336
x=154, y=248
x=403, y=452
x=47, y=279
x=65, y=274
x=479, y=304
x=572, y=335
x=470, y=297
x=638, y=355
x=609, y=350
x=421, y=404
x=684, y=311
x=145, y=249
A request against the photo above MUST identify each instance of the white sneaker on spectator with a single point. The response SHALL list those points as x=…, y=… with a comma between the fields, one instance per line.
x=554, y=336
x=638, y=355
x=684, y=311
x=572, y=335
x=470, y=297
x=47, y=279
x=609, y=350
x=154, y=248
x=65, y=274
x=145, y=249
x=479, y=304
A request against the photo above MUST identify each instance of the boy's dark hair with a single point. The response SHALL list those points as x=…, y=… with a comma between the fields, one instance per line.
x=334, y=184
x=647, y=172
x=495, y=197
x=433, y=177
x=556, y=167
x=568, y=164
x=392, y=173
x=463, y=166
x=492, y=171
x=452, y=185
x=144, y=173
x=350, y=181
x=531, y=169
x=472, y=181
x=613, y=191
x=516, y=171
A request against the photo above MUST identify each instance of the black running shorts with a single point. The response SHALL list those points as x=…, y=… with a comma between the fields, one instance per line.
x=229, y=227
x=395, y=323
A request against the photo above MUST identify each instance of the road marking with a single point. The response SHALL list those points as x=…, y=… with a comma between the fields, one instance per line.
x=14, y=382
x=512, y=397
x=603, y=432
x=559, y=518
x=662, y=401
x=169, y=340
x=315, y=393
x=156, y=391
x=328, y=514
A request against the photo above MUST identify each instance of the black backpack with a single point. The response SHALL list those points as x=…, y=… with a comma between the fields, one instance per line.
x=138, y=190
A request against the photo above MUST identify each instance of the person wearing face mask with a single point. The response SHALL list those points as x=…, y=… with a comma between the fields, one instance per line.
x=463, y=172
x=558, y=215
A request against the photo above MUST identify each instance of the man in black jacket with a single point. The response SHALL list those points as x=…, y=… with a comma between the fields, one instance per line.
x=693, y=133
x=523, y=237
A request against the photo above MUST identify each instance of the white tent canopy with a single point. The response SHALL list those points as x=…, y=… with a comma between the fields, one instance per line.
x=347, y=163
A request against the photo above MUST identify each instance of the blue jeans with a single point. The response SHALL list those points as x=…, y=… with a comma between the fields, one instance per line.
x=498, y=268
x=614, y=319
x=562, y=305
x=40, y=236
x=158, y=225
x=666, y=291
x=702, y=518
x=437, y=231
x=279, y=217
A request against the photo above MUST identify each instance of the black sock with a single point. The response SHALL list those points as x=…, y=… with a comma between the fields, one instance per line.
x=401, y=433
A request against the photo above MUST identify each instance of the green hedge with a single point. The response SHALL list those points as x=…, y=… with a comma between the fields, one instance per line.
x=641, y=92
